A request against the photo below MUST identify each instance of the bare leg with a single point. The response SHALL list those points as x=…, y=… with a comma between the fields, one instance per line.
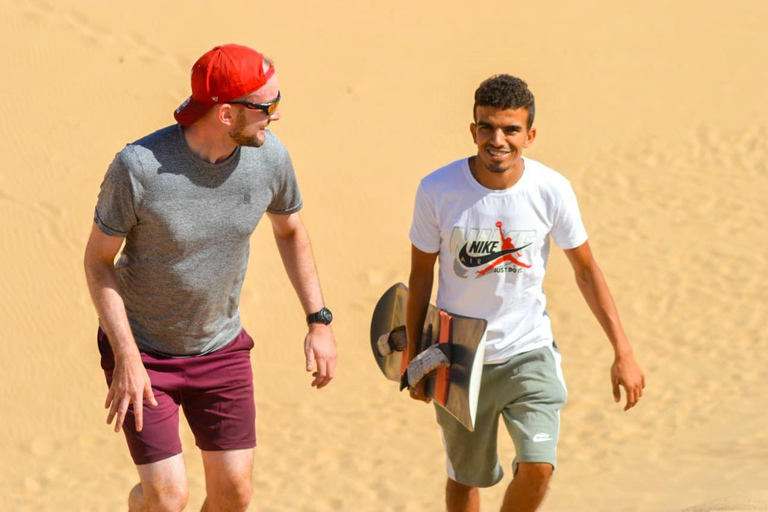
x=163, y=487
x=528, y=488
x=228, y=480
x=461, y=498
x=136, y=500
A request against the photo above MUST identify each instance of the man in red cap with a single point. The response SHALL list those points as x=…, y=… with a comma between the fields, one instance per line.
x=184, y=202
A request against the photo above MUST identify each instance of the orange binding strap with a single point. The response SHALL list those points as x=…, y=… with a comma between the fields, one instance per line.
x=441, y=382
x=404, y=361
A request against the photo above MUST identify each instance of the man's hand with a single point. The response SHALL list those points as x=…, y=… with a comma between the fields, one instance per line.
x=420, y=288
x=130, y=384
x=627, y=373
x=320, y=351
x=417, y=392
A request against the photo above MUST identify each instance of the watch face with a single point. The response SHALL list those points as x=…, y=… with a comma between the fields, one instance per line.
x=323, y=316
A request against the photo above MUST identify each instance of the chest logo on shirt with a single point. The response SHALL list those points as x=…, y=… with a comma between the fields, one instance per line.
x=486, y=251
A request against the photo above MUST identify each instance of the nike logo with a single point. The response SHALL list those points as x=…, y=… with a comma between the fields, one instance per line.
x=539, y=438
x=477, y=261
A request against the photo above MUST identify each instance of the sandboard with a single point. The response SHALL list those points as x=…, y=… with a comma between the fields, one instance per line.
x=455, y=388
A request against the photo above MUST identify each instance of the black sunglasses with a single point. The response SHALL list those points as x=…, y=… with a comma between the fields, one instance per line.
x=267, y=108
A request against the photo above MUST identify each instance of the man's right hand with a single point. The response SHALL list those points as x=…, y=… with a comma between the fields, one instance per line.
x=130, y=381
x=417, y=392
x=420, y=288
x=130, y=384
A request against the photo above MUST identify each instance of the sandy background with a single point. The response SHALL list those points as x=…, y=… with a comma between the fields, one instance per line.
x=655, y=111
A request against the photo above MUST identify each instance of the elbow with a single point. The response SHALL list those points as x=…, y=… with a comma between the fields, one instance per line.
x=94, y=266
x=287, y=234
x=87, y=262
x=420, y=280
x=90, y=268
x=588, y=275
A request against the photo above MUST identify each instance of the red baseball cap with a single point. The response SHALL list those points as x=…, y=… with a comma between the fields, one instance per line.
x=221, y=75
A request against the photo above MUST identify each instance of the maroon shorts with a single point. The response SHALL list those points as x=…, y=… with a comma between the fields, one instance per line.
x=215, y=391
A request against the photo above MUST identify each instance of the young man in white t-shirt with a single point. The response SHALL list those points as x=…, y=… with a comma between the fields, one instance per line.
x=488, y=219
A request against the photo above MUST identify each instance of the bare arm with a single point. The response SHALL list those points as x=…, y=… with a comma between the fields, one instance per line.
x=130, y=382
x=591, y=281
x=296, y=252
x=419, y=292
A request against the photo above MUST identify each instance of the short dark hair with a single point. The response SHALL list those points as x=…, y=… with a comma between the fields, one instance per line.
x=503, y=92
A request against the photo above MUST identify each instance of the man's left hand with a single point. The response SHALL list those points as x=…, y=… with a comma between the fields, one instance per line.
x=320, y=351
x=627, y=373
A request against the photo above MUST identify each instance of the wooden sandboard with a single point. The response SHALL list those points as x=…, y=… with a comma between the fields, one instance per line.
x=455, y=388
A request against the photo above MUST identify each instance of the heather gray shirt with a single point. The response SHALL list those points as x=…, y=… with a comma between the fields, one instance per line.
x=187, y=226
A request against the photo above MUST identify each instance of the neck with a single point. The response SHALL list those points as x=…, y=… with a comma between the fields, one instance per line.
x=496, y=180
x=206, y=145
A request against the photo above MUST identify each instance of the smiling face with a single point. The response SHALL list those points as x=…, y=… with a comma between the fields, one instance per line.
x=501, y=135
x=249, y=128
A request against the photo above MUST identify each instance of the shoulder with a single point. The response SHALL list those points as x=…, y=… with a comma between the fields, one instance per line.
x=550, y=183
x=160, y=138
x=272, y=151
x=145, y=152
x=545, y=175
x=448, y=176
x=272, y=142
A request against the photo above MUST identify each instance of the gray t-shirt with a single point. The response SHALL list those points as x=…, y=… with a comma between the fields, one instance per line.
x=187, y=226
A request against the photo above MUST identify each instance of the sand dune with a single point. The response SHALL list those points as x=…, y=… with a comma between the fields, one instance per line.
x=655, y=112
x=750, y=501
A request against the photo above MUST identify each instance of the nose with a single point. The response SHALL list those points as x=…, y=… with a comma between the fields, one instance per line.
x=275, y=115
x=498, y=138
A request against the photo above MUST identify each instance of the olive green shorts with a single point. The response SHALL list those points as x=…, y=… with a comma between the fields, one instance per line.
x=528, y=391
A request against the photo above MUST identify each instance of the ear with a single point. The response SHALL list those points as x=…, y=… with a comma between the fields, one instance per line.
x=473, y=130
x=226, y=114
x=529, y=138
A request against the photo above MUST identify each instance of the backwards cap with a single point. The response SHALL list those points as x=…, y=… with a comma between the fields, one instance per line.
x=223, y=74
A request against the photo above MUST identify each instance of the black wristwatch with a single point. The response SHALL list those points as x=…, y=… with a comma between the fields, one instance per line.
x=324, y=316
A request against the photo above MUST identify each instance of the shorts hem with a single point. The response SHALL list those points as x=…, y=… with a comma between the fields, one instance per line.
x=480, y=484
x=150, y=459
x=533, y=460
x=222, y=447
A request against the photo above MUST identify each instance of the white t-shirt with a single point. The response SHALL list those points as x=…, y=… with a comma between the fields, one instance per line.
x=484, y=274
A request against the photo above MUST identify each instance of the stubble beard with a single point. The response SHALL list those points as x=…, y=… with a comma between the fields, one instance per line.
x=500, y=167
x=239, y=138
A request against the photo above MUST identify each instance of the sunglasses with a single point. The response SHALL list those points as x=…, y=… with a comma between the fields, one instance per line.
x=268, y=108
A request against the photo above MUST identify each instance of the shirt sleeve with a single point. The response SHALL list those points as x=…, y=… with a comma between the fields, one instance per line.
x=116, y=207
x=425, y=231
x=568, y=230
x=287, y=196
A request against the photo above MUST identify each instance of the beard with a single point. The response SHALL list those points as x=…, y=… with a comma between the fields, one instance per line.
x=239, y=138
x=498, y=168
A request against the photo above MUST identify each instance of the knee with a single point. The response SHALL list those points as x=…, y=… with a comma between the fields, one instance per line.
x=536, y=475
x=234, y=495
x=168, y=498
x=452, y=487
